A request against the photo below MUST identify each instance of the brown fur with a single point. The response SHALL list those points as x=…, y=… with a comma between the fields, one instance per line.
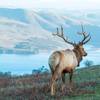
x=65, y=61
x=78, y=54
x=67, y=70
x=58, y=70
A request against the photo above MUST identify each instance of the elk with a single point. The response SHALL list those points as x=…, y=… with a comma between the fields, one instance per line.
x=65, y=61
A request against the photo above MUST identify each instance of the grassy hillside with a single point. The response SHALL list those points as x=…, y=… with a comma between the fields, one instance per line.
x=86, y=86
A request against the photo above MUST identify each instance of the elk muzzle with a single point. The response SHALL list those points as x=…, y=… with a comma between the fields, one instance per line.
x=85, y=54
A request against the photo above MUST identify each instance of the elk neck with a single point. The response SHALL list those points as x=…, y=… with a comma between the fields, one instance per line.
x=78, y=55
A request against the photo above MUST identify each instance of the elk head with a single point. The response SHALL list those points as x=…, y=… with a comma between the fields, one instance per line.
x=77, y=46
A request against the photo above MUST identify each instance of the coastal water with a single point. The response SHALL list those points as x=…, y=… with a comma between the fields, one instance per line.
x=24, y=64
x=21, y=64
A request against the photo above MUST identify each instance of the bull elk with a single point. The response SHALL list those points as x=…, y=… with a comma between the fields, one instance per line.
x=65, y=61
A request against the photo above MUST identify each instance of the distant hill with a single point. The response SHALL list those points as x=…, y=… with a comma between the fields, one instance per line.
x=30, y=31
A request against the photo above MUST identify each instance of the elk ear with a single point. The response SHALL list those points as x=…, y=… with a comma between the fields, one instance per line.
x=75, y=46
x=81, y=44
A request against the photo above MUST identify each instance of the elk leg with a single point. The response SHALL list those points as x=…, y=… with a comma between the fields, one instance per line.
x=53, y=80
x=63, y=80
x=70, y=79
x=53, y=88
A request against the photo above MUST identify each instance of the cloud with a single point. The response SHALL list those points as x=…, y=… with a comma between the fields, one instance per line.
x=58, y=4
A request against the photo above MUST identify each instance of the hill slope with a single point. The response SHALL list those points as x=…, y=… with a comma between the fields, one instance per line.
x=86, y=86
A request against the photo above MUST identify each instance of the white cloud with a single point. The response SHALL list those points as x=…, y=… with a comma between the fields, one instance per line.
x=58, y=4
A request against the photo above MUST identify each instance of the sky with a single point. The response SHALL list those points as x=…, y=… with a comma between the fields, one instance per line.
x=94, y=53
x=57, y=4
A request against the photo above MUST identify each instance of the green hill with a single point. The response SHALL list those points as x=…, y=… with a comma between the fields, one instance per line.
x=86, y=86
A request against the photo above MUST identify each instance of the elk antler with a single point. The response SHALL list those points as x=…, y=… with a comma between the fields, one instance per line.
x=86, y=37
x=61, y=35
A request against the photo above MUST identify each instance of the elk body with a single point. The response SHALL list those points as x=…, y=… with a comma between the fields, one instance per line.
x=65, y=61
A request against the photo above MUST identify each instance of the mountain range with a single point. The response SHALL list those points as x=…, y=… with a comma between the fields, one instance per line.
x=25, y=31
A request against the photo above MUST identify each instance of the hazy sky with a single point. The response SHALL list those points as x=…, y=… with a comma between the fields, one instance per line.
x=58, y=4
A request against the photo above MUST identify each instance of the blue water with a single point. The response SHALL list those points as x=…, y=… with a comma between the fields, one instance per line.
x=22, y=64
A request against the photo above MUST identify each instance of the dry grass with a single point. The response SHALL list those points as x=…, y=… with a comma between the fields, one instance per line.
x=36, y=87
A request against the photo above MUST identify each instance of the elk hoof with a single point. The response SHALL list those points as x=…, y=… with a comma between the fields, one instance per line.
x=52, y=93
x=70, y=89
x=63, y=87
